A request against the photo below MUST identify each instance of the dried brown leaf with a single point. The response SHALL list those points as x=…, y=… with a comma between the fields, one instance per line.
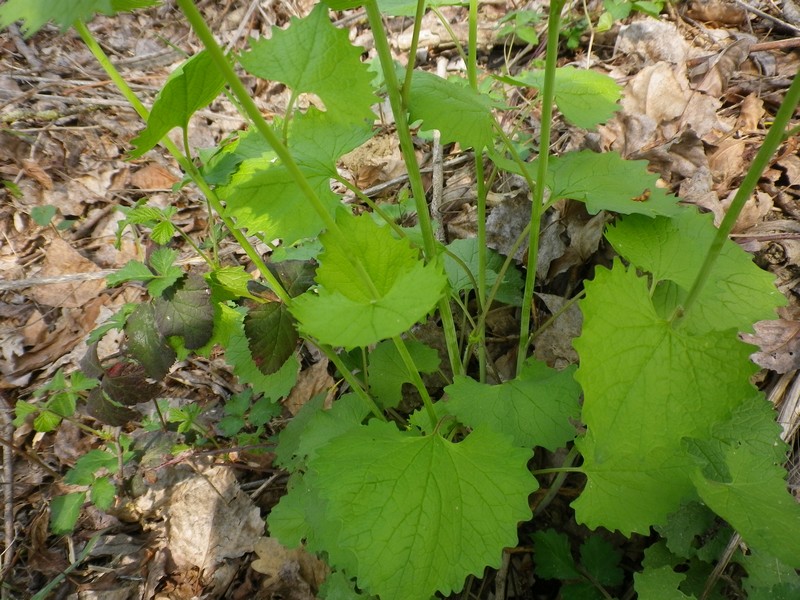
x=62, y=259
x=310, y=382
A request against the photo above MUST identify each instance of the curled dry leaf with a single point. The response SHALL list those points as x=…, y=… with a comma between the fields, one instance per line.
x=153, y=177
x=713, y=76
x=210, y=519
x=296, y=568
x=719, y=12
x=35, y=171
x=310, y=382
x=779, y=345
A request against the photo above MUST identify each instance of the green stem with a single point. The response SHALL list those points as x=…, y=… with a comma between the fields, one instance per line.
x=184, y=162
x=548, y=94
x=414, y=176
x=416, y=378
x=557, y=482
x=558, y=470
x=353, y=381
x=480, y=178
x=56, y=581
x=775, y=136
x=472, y=63
x=412, y=51
x=236, y=86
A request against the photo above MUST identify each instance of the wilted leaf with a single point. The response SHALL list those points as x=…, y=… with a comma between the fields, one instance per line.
x=185, y=310
x=272, y=335
x=146, y=343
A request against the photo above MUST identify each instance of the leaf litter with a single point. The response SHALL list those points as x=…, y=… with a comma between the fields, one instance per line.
x=696, y=111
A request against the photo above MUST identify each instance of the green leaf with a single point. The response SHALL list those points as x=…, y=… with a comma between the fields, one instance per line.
x=230, y=425
x=510, y=290
x=608, y=182
x=297, y=276
x=601, y=560
x=460, y=113
x=233, y=280
x=132, y=271
x=337, y=586
x=646, y=386
x=83, y=473
x=346, y=311
x=189, y=88
x=263, y=411
x=237, y=354
x=313, y=427
x=586, y=98
x=64, y=512
x=146, y=343
x=162, y=261
x=264, y=198
x=46, y=421
x=63, y=404
x=768, y=578
x=685, y=526
x=553, y=556
x=291, y=520
x=313, y=56
x=42, y=215
x=318, y=139
x=35, y=13
x=21, y=410
x=419, y=514
x=388, y=372
x=163, y=232
x=185, y=310
x=103, y=493
x=261, y=193
x=271, y=333
x=736, y=294
x=754, y=501
x=536, y=408
x=660, y=583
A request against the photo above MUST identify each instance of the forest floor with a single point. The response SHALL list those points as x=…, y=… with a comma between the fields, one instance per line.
x=701, y=85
